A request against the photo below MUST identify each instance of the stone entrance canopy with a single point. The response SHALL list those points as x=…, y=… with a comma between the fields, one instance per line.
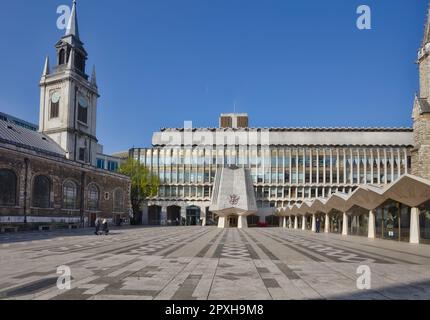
x=233, y=196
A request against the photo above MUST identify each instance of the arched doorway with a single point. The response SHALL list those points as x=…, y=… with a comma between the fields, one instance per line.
x=193, y=216
x=154, y=215
x=173, y=215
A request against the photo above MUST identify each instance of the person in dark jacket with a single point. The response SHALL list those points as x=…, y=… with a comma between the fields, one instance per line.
x=105, y=227
x=98, y=225
x=318, y=225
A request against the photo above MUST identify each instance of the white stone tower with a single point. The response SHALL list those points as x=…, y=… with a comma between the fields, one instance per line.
x=421, y=110
x=68, y=98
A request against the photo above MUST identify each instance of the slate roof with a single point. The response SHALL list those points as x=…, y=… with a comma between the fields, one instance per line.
x=25, y=138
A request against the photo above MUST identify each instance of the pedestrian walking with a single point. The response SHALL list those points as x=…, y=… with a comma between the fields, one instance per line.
x=105, y=227
x=97, y=227
x=318, y=225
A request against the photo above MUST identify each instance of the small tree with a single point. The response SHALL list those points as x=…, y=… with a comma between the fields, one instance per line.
x=143, y=184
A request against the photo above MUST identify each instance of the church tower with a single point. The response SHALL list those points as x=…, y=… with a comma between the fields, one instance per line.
x=421, y=110
x=68, y=98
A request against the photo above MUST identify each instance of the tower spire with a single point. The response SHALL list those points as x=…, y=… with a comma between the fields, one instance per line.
x=71, y=62
x=46, y=70
x=426, y=38
x=72, y=26
x=94, y=77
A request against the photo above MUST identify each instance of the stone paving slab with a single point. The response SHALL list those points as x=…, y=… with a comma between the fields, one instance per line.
x=199, y=263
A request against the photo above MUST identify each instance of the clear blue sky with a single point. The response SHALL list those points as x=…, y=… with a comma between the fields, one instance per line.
x=160, y=62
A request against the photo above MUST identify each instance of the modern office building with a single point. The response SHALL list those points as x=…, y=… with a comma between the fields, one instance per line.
x=284, y=167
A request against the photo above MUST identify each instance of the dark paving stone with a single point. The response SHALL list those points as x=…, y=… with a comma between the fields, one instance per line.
x=271, y=283
x=29, y=288
x=186, y=290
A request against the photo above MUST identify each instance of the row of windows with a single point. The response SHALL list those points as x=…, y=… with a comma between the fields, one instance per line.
x=111, y=165
x=41, y=193
x=260, y=192
x=184, y=192
x=269, y=157
x=291, y=166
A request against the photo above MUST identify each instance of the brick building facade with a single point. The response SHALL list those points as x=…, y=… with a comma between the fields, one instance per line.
x=50, y=176
x=91, y=193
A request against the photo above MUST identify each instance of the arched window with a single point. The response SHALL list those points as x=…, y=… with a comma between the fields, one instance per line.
x=93, y=198
x=42, y=192
x=70, y=195
x=55, y=105
x=83, y=109
x=118, y=200
x=61, y=57
x=7, y=188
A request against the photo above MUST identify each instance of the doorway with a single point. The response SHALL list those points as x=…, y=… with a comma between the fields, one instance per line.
x=92, y=219
x=193, y=216
x=232, y=222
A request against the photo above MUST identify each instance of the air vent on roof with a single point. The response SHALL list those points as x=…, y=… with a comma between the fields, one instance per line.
x=10, y=127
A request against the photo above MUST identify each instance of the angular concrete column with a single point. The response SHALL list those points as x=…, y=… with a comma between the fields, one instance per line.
x=371, y=225
x=163, y=216
x=290, y=223
x=345, y=224
x=314, y=223
x=242, y=222
x=304, y=223
x=327, y=223
x=296, y=222
x=284, y=222
x=222, y=222
x=414, y=232
x=203, y=216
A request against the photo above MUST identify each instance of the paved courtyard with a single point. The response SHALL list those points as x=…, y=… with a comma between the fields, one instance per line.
x=209, y=263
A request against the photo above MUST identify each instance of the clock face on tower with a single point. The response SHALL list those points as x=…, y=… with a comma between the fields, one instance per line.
x=55, y=97
x=83, y=102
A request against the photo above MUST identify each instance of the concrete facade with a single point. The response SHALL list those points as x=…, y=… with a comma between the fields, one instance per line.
x=281, y=174
x=289, y=166
x=233, y=199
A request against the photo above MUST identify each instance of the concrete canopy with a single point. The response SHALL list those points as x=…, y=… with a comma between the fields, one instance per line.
x=339, y=202
x=319, y=205
x=367, y=197
x=288, y=210
x=295, y=209
x=280, y=212
x=233, y=193
x=302, y=208
x=409, y=190
x=309, y=204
